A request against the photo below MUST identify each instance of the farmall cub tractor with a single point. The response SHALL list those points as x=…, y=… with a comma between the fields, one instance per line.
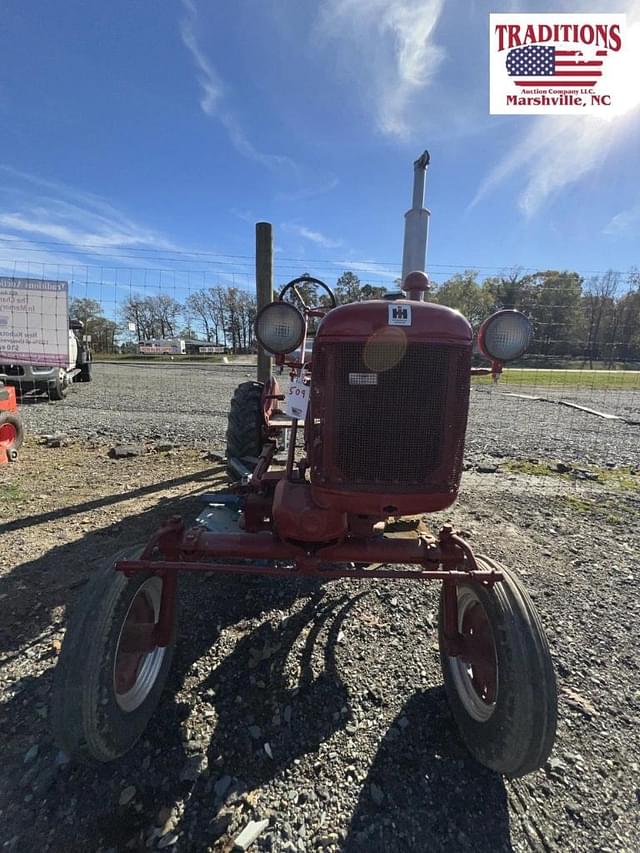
x=382, y=406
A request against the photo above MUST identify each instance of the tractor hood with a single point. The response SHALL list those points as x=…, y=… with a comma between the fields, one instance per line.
x=415, y=321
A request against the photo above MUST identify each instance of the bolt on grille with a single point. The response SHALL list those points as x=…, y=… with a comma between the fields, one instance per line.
x=404, y=428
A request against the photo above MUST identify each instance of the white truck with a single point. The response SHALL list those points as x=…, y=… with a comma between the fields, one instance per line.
x=34, y=379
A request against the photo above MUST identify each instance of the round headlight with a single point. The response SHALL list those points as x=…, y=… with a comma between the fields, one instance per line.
x=505, y=335
x=280, y=327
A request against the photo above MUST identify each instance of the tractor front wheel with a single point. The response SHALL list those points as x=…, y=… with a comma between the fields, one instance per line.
x=110, y=675
x=501, y=687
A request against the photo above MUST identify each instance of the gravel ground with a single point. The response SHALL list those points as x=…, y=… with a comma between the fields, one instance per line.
x=319, y=707
x=189, y=404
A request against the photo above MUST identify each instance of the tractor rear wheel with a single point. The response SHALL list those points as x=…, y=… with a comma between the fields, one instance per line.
x=502, y=688
x=245, y=428
x=109, y=676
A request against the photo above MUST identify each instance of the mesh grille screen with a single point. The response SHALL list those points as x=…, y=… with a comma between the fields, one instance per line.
x=400, y=430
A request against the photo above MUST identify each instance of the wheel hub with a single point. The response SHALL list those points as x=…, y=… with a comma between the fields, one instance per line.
x=475, y=669
x=138, y=658
x=8, y=435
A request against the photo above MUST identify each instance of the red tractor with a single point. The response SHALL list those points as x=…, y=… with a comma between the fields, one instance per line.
x=11, y=428
x=381, y=402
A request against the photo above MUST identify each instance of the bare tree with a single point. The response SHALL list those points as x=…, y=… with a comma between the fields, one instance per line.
x=601, y=293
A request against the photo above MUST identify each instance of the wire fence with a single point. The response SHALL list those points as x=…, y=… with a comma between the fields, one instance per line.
x=159, y=326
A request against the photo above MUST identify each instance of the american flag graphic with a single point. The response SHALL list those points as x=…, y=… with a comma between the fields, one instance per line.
x=542, y=65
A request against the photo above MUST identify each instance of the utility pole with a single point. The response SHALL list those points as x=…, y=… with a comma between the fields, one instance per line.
x=416, y=222
x=264, y=286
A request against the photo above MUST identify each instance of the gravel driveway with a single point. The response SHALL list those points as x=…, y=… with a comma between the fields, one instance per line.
x=317, y=708
x=188, y=404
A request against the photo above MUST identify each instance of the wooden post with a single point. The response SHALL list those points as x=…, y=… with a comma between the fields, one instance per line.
x=264, y=286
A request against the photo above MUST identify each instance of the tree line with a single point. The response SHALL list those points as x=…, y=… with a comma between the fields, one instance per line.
x=593, y=319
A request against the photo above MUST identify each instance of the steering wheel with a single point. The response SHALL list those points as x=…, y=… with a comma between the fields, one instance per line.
x=307, y=279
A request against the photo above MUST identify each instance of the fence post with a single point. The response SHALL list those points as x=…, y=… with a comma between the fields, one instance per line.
x=264, y=286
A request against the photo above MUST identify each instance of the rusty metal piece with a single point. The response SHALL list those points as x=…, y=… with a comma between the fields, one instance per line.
x=452, y=638
x=164, y=626
x=309, y=568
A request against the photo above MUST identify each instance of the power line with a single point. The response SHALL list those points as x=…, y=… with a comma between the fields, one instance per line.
x=184, y=255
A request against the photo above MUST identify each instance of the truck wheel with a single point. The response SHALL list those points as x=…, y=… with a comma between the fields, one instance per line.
x=108, y=681
x=502, y=689
x=84, y=363
x=245, y=424
x=11, y=431
x=58, y=388
x=85, y=372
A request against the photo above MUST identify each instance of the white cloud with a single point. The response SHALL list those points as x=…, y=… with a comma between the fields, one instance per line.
x=49, y=223
x=309, y=192
x=212, y=90
x=371, y=268
x=390, y=46
x=555, y=152
x=43, y=208
x=313, y=236
x=212, y=99
x=624, y=224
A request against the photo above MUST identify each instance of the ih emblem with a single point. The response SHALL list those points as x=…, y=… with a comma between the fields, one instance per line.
x=399, y=314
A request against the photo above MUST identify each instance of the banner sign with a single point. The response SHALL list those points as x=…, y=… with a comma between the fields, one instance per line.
x=34, y=321
x=558, y=64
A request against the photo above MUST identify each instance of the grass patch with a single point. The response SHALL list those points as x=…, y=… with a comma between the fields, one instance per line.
x=614, y=380
x=538, y=469
x=10, y=492
x=578, y=504
x=618, y=479
x=166, y=357
x=622, y=479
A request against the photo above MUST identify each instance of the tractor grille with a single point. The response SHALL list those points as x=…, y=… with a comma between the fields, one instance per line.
x=392, y=418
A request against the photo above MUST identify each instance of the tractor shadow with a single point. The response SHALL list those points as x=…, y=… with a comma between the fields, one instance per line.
x=255, y=665
x=276, y=696
x=250, y=685
x=425, y=792
x=32, y=590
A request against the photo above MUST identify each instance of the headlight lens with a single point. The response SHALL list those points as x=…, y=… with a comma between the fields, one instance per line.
x=280, y=327
x=505, y=335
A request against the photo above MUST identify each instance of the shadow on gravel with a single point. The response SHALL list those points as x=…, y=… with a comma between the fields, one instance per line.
x=76, y=807
x=108, y=500
x=262, y=725
x=424, y=791
x=434, y=795
x=31, y=591
x=32, y=399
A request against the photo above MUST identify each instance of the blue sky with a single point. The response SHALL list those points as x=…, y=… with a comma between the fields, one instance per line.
x=135, y=132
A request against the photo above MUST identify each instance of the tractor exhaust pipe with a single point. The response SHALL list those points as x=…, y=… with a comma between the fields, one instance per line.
x=416, y=222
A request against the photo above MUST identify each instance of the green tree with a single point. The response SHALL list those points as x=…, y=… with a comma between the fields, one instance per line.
x=552, y=299
x=372, y=291
x=506, y=290
x=463, y=292
x=101, y=330
x=348, y=288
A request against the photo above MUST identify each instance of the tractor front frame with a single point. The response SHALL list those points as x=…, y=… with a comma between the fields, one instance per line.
x=173, y=549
